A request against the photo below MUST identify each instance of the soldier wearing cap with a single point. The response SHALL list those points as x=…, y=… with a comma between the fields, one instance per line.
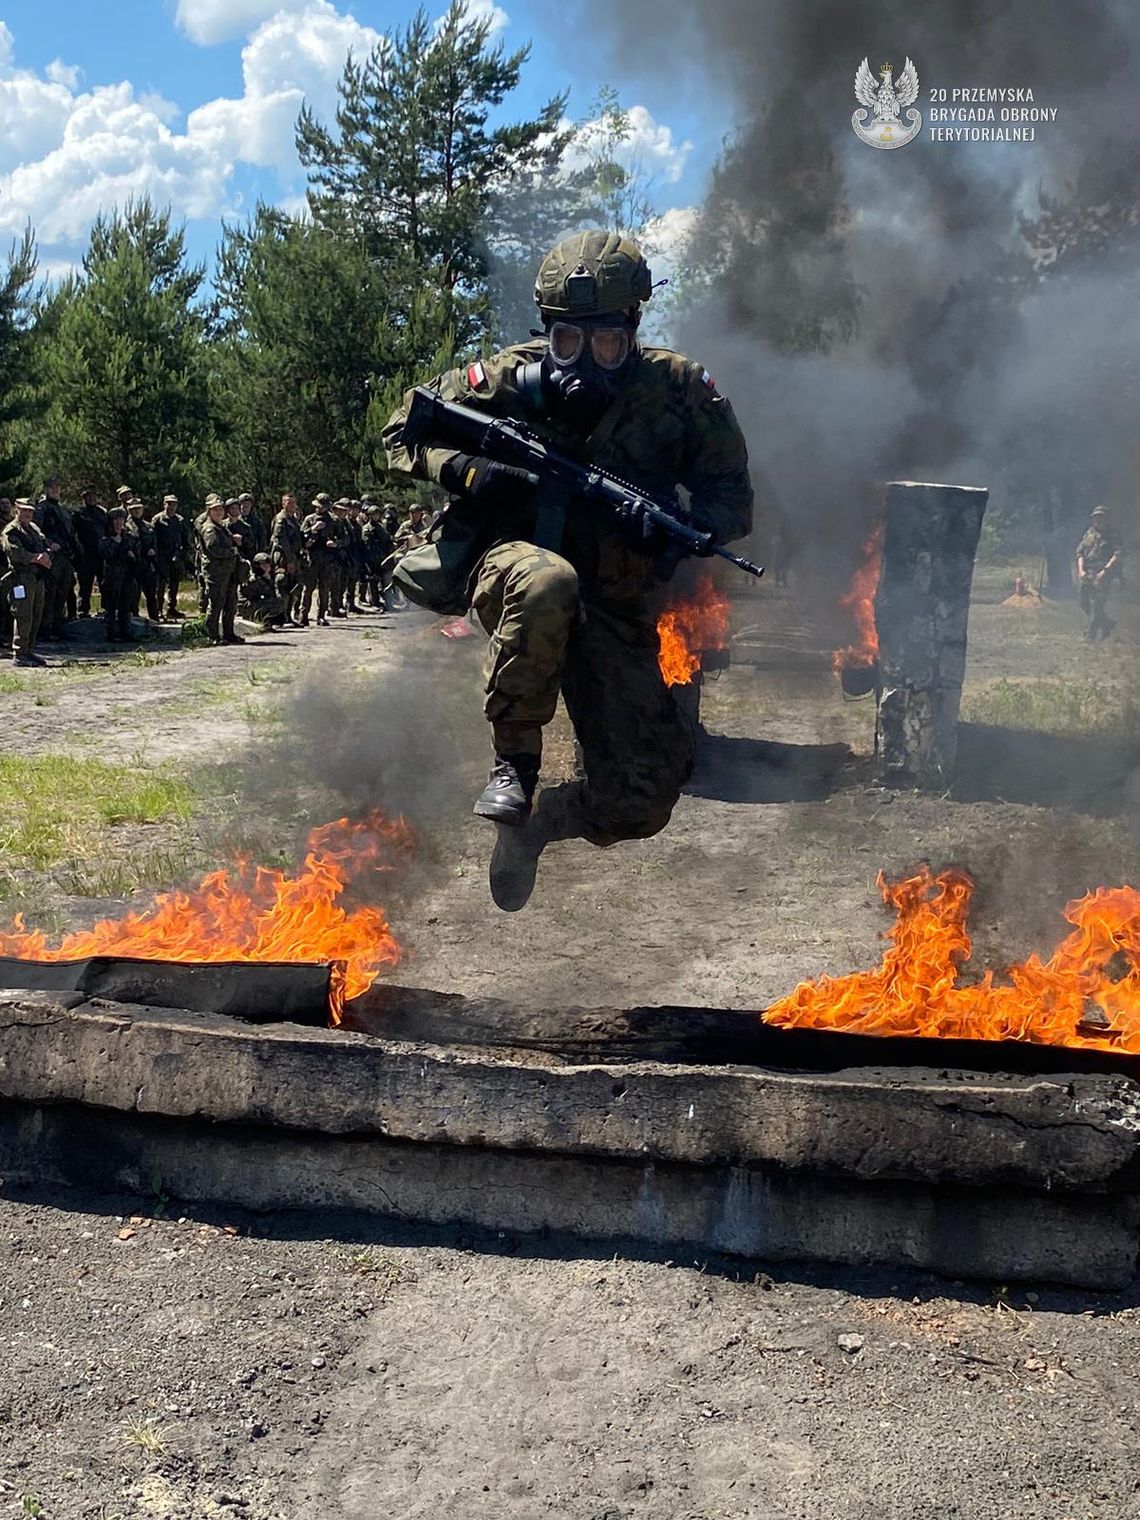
x=319, y=533
x=55, y=520
x=146, y=571
x=28, y=554
x=1099, y=559
x=250, y=526
x=220, y=571
x=287, y=554
x=565, y=596
x=118, y=576
x=90, y=524
x=172, y=555
x=377, y=546
x=339, y=558
x=258, y=598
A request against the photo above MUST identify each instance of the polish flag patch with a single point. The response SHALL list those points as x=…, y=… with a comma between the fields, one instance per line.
x=477, y=377
x=707, y=379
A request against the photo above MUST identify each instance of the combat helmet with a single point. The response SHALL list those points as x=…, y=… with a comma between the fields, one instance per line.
x=592, y=274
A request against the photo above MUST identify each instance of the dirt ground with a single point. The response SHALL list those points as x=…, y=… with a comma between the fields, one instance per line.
x=311, y=1367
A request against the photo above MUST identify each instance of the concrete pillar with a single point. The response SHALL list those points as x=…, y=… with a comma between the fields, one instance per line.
x=922, y=607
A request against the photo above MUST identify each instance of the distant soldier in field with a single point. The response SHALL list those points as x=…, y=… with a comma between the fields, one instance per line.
x=172, y=543
x=55, y=520
x=357, y=567
x=319, y=533
x=220, y=569
x=339, y=559
x=412, y=533
x=1099, y=559
x=29, y=578
x=287, y=554
x=250, y=526
x=377, y=547
x=119, y=560
x=90, y=525
x=146, y=572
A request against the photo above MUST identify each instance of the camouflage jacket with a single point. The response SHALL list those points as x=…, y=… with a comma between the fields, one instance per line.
x=171, y=538
x=21, y=543
x=1097, y=548
x=668, y=427
x=55, y=520
x=219, y=552
x=318, y=530
x=287, y=543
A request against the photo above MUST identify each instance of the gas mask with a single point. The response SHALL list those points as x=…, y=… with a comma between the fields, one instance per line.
x=584, y=367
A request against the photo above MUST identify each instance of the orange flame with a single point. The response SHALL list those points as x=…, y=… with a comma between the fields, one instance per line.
x=694, y=625
x=259, y=914
x=859, y=600
x=1093, y=975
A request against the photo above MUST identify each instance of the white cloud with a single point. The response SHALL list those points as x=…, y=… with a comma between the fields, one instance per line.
x=648, y=147
x=67, y=154
x=291, y=59
x=483, y=10
x=210, y=21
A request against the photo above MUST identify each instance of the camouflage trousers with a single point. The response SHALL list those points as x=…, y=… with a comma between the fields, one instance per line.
x=28, y=613
x=637, y=744
x=1094, y=602
x=317, y=576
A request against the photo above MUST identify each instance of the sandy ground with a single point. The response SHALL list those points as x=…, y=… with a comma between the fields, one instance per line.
x=311, y=1367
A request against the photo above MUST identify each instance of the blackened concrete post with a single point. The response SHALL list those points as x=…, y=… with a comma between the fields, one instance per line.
x=922, y=607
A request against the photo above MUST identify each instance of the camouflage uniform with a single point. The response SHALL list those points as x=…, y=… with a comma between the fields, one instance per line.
x=119, y=556
x=318, y=531
x=258, y=599
x=1099, y=548
x=287, y=552
x=90, y=524
x=55, y=520
x=377, y=547
x=579, y=620
x=220, y=569
x=146, y=572
x=27, y=585
x=172, y=548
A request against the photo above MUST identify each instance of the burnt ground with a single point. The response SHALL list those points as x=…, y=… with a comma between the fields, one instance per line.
x=306, y=1367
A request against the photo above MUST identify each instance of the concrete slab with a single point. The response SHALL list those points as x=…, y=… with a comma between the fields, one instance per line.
x=1018, y=1177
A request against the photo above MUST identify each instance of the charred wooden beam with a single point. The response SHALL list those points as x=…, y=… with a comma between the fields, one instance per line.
x=922, y=608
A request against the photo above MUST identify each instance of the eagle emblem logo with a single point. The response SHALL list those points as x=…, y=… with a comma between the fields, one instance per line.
x=883, y=103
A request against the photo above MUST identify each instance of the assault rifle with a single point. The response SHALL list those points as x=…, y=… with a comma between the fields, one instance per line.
x=449, y=424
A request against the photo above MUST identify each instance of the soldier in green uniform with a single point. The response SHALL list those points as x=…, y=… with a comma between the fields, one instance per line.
x=55, y=520
x=7, y=515
x=90, y=524
x=1099, y=558
x=319, y=534
x=250, y=526
x=565, y=596
x=287, y=554
x=377, y=545
x=146, y=572
x=220, y=569
x=119, y=560
x=29, y=578
x=258, y=598
x=172, y=546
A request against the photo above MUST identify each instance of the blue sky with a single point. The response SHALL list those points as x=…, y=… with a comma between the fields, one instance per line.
x=192, y=101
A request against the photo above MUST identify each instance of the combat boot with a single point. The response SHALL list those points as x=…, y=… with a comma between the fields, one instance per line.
x=509, y=792
x=514, y=862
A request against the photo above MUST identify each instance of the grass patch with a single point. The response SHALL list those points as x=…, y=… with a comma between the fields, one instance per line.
x=10, y=684
x=147, y=1435
x=1082, y=709
x=55, y=809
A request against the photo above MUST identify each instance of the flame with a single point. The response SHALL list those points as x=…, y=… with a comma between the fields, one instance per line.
x=259, y=914
x=859, y=600
x=684, y=631
x=1086, y=994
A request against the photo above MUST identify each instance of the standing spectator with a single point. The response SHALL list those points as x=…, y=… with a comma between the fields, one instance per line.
x=220, y=554
x=7, y=515
x=172, y=543
x=118, y=585
x=339, y=557
x=319, y=534
x=357, y=570
x=1099, y=557
x=146, y=572
x=377, y=548
x=90, y=524
x=29, y=561
x=55, y=521
x=252, y=529
x=287, y=554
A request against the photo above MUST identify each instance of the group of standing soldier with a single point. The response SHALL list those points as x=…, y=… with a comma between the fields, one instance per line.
x=53, y=557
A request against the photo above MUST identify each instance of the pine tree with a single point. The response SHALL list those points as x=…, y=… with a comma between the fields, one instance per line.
x=17, y=397
x=412, y=169
x=122, y=364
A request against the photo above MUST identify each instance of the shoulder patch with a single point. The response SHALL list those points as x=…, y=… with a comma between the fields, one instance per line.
x=477, y=376
x=707, y=380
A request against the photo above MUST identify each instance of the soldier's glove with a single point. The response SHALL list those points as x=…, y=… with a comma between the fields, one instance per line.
x=486, y=481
